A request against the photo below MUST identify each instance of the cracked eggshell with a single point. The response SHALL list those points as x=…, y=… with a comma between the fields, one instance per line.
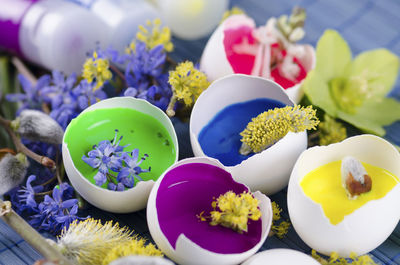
x=281, y=256
x=368, y=226
x=214, y=62
x=130, y=200
x=187, y=251
x=269, y=170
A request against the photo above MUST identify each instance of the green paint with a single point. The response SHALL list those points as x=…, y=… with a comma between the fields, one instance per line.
x=140, y=130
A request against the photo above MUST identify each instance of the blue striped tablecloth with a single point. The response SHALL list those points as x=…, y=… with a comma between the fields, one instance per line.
x=365, y=24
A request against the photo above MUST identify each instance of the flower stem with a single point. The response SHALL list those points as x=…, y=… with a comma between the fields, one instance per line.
x=170, y=110
x=24, y=70
x=30, y=235
x=20, y=147
x=118, y=72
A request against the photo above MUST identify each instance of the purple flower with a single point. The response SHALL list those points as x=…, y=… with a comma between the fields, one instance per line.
x=105, y=157
x=55, y=213
x=60, y=91
x=86, y=95
x=144, y=64
x=128, y=173
x=27, y=194
x=64, y=114
x=32, y=98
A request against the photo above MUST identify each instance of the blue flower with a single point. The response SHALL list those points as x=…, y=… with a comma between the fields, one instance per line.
x=27, y=194
x=64, y=114
x=128, y=173
x=59, y=91
x=144, y=64
x=86, y=94
x=32, y=98
x=105, y=157
x=55, y=213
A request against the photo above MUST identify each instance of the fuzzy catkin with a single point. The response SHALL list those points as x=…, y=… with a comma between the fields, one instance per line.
x=12, y=171
x=37, y=126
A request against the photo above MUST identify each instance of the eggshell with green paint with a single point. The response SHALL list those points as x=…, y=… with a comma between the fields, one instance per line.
x=142, y=126
x=365, y=228
x=269, y=170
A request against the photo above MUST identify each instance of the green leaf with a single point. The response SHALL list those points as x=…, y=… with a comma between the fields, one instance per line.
x=373, y=115
x=8, y=84
x=379, y=68
x=317, y=91
x=333, y=55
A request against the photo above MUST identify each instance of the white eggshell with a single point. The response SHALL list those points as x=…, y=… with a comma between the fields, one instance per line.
x=192, y=19
x=130, y=200
x=281, y=256
x=188, y=252
x=214, y=62
x=364, y=229
x=269, y=170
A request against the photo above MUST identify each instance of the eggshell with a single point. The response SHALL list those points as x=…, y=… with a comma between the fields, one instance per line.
x=192, y=19
x=130, y=200
x=187, y=251
x=214, y=62
x=281, y=256
x=141, y=260
x=269, y=170
x=368, y=226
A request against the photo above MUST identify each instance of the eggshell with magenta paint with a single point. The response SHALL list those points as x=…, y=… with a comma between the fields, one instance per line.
x=269, y=170
x=214, y=60
x=130, y=200
x=187, y=248
x=368, y=226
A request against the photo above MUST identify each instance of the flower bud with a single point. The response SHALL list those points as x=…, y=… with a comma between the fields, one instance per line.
x=12, y=171
x=38, y=126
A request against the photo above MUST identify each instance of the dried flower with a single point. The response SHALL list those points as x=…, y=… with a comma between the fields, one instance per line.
x=38, y=126
x=154, y=36
x=89, y=242
x=279, y=227
x=12, y=171
x=96, y=68
x=187, y=84
x=331, y=131
x=134, y=247
x=233, y=211
x=272, y=125
x=334, y=259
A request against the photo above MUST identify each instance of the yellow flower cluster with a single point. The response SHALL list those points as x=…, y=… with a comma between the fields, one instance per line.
x=234, y=11
x=281, y=228
x=89, y=242
x=331, y=131
x=272, y=125
x=234, y=211
x=334, y=259
x=187, y=84
x=96, y=69
x=155, y=36
x=133, y=247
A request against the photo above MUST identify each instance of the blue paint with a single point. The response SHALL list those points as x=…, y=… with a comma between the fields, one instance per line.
x=220, y=138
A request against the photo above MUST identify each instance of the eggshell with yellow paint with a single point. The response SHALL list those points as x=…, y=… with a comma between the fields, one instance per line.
x=366, y=227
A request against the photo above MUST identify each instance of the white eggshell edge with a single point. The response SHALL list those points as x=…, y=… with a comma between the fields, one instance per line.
x=281, y=256
x=130, y=200
x=187, y=252
x=141, y=260
x=215, y=64
x=269, y=170
x=364, y=229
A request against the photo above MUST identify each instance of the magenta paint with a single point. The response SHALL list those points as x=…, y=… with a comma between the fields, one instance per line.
x=11, y=14
x=189, y=189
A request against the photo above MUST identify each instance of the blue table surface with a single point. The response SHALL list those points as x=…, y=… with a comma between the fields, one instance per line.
x=365, y=24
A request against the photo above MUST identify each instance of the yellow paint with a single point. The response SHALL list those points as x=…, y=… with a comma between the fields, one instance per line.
x=323, y=185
